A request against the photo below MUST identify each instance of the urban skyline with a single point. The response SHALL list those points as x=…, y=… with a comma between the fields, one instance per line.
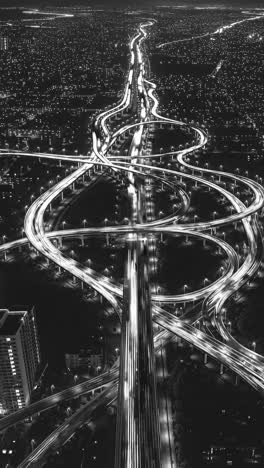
x=131, y=220
x=131, y=3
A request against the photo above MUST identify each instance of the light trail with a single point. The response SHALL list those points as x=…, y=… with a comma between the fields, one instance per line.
x=225, y=349
x=218, y=31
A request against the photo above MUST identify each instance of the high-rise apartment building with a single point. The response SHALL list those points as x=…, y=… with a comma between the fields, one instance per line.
x=19, y=358
x=4, y=43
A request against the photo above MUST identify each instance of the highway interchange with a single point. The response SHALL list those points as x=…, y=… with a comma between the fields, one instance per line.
x=205, y=329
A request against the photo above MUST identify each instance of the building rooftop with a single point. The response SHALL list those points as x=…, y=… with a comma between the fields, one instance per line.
x=11, y=323
x=2, y=313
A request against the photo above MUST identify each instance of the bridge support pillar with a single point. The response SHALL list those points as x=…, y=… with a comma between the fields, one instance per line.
x=107, y=240
x=178, y=340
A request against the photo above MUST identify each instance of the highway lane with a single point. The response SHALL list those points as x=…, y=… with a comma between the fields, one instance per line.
x=168, y=456
x=34, y=222
x=137, y=440
x=250, y=266
x=218, y=31
x=190, y=296
x=56, y=398
x=244, y=362
x=85, y=415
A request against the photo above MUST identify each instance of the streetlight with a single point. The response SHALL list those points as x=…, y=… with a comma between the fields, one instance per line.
x=184, y=288
x=63, y=224
x=205, y=281
x=84, y=222
x=254, y=346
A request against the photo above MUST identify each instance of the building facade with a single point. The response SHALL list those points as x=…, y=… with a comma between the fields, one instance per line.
x=4, y=43
x=84, y=359
x=19, y=358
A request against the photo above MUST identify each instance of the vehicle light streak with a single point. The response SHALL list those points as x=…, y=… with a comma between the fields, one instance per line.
x=223, y=348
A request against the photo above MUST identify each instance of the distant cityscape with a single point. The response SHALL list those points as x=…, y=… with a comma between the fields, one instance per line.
x=131, y=235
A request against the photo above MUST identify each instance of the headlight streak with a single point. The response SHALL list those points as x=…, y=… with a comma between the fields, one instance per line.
x=244, y=362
